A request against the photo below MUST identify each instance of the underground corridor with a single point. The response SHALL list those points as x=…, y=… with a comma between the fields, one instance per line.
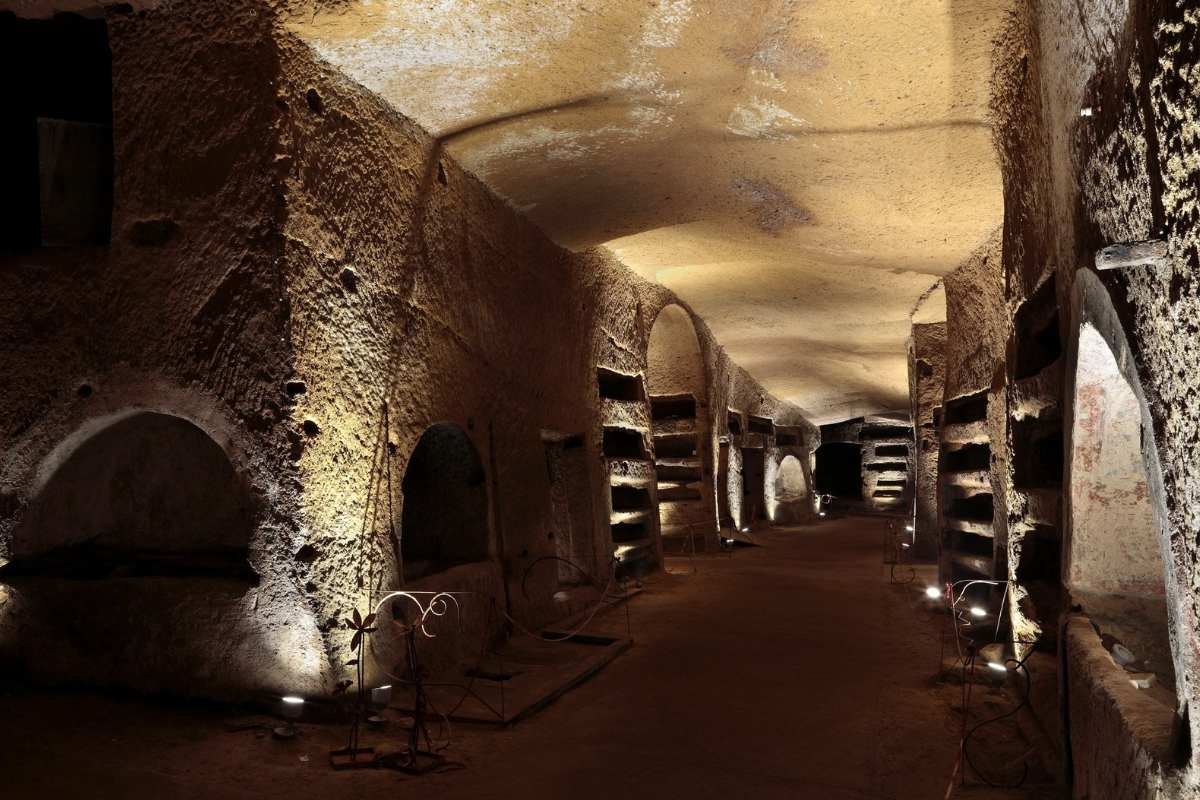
x=689, y=398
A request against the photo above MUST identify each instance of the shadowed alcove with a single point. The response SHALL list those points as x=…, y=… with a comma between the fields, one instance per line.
x=1114, y=558
x=149, y=494
x=445, y=519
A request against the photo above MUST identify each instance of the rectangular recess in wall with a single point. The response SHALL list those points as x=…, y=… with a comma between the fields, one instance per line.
x=783, y=439
x=763, y=425
x=677, y=473
x=888, y=450
x=1037, y=453
x=976, y=508
x=734, y=422
x=887, y=466
x=1039, y=555
x=56, y=150
x=876, y=432
x=677, y=494
x=971, y=408
x=615, y=385
x=624, y=443
x=969, y=543
x=969, y=458
x=900, y=483
x=672, y=406
x=625, y=532
x=630, y=498
x=681, y=446
x=887, y=493
x=1035, y=327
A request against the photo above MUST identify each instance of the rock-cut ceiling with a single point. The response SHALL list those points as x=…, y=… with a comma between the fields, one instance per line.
x=800, y=172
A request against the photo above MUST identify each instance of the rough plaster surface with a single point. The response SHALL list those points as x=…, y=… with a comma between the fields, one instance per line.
x=837, y=184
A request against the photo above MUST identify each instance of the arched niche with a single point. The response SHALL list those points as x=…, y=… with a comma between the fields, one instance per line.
x=1116, y=560
x=130, y=568
x=790, y=484
x=674, y=361
x=445, y=517
x=789, y=500
x=1115, y=542
x=146, y=494
x=677, y=387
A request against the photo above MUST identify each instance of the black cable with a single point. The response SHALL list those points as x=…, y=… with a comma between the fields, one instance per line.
x=1020, y=665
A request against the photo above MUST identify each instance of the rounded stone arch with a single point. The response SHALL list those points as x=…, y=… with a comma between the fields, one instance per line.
x=1115, y=537
x=145, y=482
x=677, y=386
x=674, y=359
x=790, y=483
x=444, y=521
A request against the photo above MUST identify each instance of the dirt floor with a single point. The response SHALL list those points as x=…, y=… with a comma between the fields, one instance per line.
x=794, y=670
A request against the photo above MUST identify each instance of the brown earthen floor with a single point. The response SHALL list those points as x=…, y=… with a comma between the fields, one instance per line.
x=795, y=670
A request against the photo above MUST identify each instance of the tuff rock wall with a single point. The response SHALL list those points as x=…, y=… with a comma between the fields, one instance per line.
x=1095, y=113
x=302, y=274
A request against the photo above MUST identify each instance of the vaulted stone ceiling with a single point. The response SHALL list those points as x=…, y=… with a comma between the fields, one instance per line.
x=799, y=171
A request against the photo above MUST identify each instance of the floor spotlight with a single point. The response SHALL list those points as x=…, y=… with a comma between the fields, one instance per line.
x=933, y=592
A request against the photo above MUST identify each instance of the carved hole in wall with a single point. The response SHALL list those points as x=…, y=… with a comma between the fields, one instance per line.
x=763, y=425
x=1037, y=453
x=56, y=134
x=614, y=385
x=870, y=433
x=148, y=495
x=976, y=508
x=734, y=422
x=839, y=470
x=887, y=450
x=673, y=407
x=445, y=518
x=887, y=466
x=624, y=443
x=1035, y=327
x=971, y=408
x=790, y=485
x=969, y=458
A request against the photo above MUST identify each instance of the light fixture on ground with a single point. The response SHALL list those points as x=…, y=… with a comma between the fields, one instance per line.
x=292, y=708
x=933, y=592
x=997, y=666
x=976, y=611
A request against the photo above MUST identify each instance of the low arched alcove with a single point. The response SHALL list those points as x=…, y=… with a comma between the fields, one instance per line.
x=148, y=494
x=445, y=518
x=130, y=569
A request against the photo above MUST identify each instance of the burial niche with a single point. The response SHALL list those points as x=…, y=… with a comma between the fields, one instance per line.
x=445, y=519
x=1114, y=559
x=150, y=494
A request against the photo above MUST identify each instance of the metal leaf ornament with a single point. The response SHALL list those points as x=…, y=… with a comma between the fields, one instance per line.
x=361, y=627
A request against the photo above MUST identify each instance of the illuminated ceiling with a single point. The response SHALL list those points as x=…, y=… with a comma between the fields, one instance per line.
x=799, y=171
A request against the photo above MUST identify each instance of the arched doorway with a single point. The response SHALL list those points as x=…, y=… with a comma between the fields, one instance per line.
x=1114, y=563
x=445, y=517
x=677, y=388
